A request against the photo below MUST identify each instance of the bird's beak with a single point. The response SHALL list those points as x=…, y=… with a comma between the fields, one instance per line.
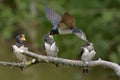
x=51, y=36
x=23, y=37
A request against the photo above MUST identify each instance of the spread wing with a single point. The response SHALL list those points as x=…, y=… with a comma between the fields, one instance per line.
x=52, y=16
x=80, y=34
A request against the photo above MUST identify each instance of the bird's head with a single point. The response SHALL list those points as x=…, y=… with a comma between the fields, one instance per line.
x=89, y=46
x=53, y=31
x=21, y=38
x=48, y=37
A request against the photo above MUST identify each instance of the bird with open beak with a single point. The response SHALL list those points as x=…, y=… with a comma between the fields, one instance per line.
x=87, y=54
x=63, y=24
x=19, y=48
x=50, y=46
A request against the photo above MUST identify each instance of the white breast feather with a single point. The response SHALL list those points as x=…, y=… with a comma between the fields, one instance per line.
x=51, y=50
x=87, y=56
x=18, y=52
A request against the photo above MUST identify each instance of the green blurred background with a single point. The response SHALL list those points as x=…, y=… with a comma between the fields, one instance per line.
x=99, y=19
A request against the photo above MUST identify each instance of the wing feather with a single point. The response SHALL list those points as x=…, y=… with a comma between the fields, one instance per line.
x=52, y=16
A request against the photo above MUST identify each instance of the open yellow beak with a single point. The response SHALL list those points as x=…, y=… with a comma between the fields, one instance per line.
x=51, y=36
x=23, y=37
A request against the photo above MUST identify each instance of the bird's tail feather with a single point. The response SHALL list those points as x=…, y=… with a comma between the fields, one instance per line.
x=56, y=65
x=85, y=70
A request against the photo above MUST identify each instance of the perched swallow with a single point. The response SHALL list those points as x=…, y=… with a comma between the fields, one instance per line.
x=19, y=47
x=63, y=24
x=87, y=54
x=50, y=46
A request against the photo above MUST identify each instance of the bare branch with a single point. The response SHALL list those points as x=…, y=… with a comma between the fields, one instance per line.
x=12, y=64
x=20, y=65
x=77, y=63
x=108, y=64
x=55, y=60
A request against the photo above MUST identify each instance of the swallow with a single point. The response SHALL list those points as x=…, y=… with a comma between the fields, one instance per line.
x=63, y=24
x=87, y=54
x=50, y=46
x=19, y=47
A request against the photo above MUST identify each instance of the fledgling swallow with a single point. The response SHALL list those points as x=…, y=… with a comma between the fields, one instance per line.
x=87, y=54
x=63, y=24
x=50, y=46
x=19, y=47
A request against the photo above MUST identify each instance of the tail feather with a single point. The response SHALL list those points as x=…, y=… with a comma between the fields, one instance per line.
x=56, y=65
x=85, y=70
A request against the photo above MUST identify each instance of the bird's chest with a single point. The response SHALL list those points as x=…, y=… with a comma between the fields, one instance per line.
x=18, y=51
x=47, y=46
x=87, y=56
x=51, y=49
x=64, y=29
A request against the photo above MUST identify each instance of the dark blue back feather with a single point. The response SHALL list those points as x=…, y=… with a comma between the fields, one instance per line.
x=76, y=30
